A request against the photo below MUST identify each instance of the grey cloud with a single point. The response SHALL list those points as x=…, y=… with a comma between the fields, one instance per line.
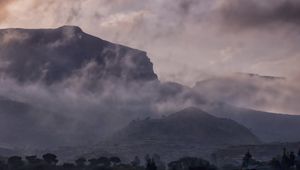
x=245, y=14
x=273, y=94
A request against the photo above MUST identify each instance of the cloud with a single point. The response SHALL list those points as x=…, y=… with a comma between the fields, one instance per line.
x=3, y=9
x=265, y=93
x=188, y=40
x=247, y=14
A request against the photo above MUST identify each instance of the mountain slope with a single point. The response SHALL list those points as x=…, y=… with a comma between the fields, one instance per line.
x=269, y=127
x=188, y=132
x=189, y=125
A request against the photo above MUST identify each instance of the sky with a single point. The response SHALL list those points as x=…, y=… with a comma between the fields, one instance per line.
x=187, y=40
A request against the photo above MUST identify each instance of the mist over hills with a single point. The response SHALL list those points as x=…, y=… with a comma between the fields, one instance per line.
x=59, y=83
x=190, y=131
x=63, y=87
x=188, y=125
x=269, y=127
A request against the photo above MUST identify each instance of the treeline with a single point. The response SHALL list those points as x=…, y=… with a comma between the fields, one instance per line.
x=286, y=161
x=50, y=162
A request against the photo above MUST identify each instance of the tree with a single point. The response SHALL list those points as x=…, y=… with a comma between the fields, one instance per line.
x=104, y=161
x=15, y=162
x=292, y=159
x=115, y=160
x=285, y=162
x=80, y=162
x=33, y=159
x=246, y=159
x=275, y=164
x=159, y=163
x=151, y=165
x=191, y=163
x=50, y=158
x=93, y=162
x=298, y=161
x=68, y=166
x=136, y=161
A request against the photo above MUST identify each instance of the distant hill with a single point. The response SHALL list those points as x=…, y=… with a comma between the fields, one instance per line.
x=269, y=127
x=188, y=125
x=187, y=132
x=7, y=152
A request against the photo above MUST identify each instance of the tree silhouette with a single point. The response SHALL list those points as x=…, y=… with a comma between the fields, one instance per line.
x=15, y=162
x=104, y=161
x=292, y=159
x=275, y=164
x=150, y=163
x=32, y=160
x=50, y=158
x=93, y=162
x=246, y=159
x=136, y=161
x=115, y=160
x=68, y=166
x=191, y=163
x=298, y=161
x=80, y=162
x=285, y=162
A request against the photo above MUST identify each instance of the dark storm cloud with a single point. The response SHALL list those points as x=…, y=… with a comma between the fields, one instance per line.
x=243, y=14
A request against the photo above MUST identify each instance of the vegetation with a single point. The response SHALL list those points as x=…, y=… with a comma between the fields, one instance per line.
x=286, y=161
x=50, y=162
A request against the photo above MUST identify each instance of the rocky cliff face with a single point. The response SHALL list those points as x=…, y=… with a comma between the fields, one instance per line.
x=54, y=55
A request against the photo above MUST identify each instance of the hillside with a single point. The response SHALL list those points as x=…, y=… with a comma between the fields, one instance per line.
x=188, y=125
x=188, y=132
x=269, y=127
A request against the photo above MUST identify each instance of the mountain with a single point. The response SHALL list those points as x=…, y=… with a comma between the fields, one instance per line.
x=54, y=55
x=188, y=132
x=61, y=85
x=190, y=125
x=269, y=127
x=21, y=125
x=240, y=97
